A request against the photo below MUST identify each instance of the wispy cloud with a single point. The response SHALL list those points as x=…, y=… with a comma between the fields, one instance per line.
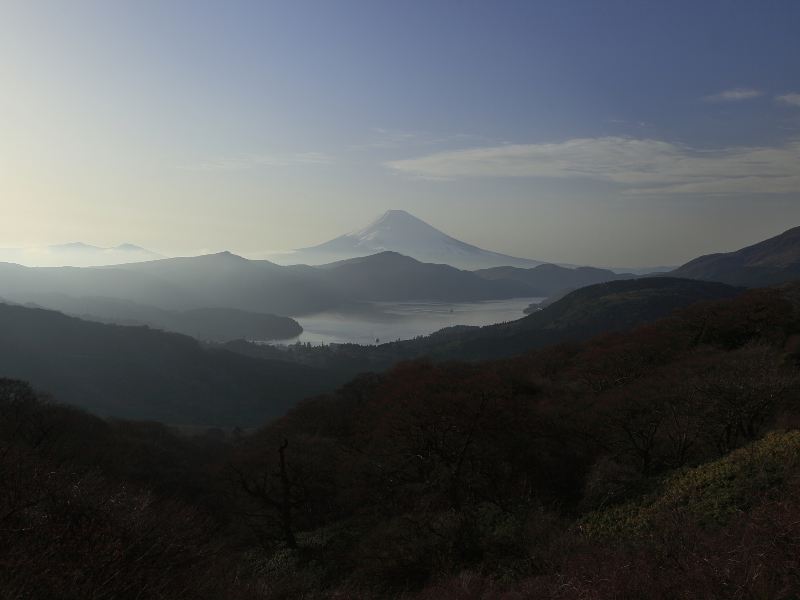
x=378, y=139
x=734, y=95
x=642, y=166
x=792, y=99
x=244, y=162
x=386, y=139
x=391, y=138
x=627, y=123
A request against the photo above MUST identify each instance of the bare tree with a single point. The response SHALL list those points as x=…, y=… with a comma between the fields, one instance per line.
x=280, y=492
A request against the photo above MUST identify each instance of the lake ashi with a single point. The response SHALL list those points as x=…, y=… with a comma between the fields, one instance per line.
x=380, y=322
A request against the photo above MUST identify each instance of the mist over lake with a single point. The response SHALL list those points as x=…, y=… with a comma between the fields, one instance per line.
x=390, y=321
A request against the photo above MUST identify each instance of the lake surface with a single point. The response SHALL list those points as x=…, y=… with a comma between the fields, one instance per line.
x=381, y=322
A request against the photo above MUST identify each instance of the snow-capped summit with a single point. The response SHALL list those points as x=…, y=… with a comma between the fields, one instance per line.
x=393, y=230
x=402, y=232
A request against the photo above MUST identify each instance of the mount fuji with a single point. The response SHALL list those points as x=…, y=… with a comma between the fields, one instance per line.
x=402, y=232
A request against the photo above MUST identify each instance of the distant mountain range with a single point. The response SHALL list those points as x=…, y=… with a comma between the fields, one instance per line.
x=401, y=232
x=161, y=292
x=77, y=254
x=395, y=231
x=223, y=296
x=773, y=261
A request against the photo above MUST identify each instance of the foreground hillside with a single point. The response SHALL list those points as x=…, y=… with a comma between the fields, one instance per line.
x=494, y=468
x=137, y=372
x=661, y=462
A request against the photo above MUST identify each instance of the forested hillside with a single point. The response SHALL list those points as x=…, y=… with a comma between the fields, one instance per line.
x=661, y=462
x=141, y=373
x=549, y=280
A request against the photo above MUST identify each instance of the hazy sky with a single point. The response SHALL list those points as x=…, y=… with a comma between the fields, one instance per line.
x=610, y=133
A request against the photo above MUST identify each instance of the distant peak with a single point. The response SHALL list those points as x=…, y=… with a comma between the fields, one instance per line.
x=129, y=248
x=387, y=257
x=73, y=246
x=397, y=220
x=390, y=257
x=224, y=255
x=396, y=212
x=398, y=215
x=390, y=254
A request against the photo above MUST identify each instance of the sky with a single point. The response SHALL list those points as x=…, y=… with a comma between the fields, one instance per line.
x=614, y=133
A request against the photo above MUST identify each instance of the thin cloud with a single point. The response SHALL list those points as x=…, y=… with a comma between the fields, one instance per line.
x=627, y=123
x=638, y=165
x=734, y=95
x=244, y=162
x=387, y=139
x=792, y=99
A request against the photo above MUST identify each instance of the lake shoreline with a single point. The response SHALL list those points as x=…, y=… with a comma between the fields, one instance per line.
x=380, y=322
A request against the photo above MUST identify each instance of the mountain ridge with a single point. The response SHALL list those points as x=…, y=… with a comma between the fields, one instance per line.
x=551, y=280
x=768, y=262
x=78, y=254
x=225, y=280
